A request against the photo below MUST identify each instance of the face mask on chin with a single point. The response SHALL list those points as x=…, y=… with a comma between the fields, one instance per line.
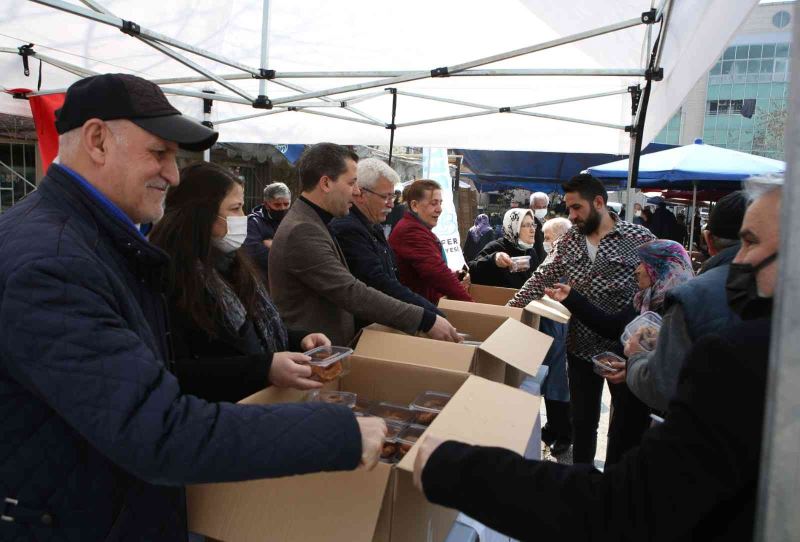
x=237, y=233
x=741, y=289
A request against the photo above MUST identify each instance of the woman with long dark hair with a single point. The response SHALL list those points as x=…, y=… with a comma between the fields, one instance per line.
x=228, y=339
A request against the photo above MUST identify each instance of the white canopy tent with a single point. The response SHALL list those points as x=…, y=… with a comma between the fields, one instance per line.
x=314, y=45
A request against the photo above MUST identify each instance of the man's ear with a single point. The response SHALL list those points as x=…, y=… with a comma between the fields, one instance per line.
x=598, y=202
x=94, y=140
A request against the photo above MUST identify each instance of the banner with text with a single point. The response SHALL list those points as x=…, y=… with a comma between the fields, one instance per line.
x=435, y=167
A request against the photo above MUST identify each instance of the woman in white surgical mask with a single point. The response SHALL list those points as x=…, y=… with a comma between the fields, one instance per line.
x=228, y=340
x=509, y=261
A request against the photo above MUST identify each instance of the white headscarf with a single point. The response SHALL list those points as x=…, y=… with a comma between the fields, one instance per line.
x=511, y=225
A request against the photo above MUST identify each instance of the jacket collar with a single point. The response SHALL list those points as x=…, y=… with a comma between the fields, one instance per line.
x=724, y=257
x=145, y=260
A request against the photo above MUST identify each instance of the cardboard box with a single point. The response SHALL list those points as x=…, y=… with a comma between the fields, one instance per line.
x=377, y=506
x=491, y=295
x=508, y=347
x=544, y=307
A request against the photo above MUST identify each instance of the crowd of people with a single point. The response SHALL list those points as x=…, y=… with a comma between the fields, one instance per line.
x=123, y=353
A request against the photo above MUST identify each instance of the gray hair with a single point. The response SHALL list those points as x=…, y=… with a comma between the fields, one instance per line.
x=558, y=225
x=69, y=142
x=372, y=169
x=539, y=195
x=758, y=186
x=277, y=190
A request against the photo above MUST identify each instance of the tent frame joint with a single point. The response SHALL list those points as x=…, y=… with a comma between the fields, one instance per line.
x=25, y=51
x=649, y=17
x=265, y=74
x=654, y=74
x=130, y=28
x=631, y=129
x=440, y=72
x=207, y=124
x=636, y=94
x=504, y=110
x=262, y=102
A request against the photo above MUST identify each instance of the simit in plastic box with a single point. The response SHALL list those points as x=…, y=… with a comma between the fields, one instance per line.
x=344, y=398
x=650, y=324
x=329, y=362
x=392, y=413
x=428, y=405
x=407, y=438
x=520, y=263
x=602, y=363
x=390, y=445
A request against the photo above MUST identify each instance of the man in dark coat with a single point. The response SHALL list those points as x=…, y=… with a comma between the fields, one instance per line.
x=263, y=222
x=361, y=238
x=694, y=477
x=97, y=439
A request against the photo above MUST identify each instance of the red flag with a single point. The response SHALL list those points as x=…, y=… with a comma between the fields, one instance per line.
x=43, y=109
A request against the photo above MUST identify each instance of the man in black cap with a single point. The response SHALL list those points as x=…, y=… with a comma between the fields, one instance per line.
x=693, y=309
x=98, y=440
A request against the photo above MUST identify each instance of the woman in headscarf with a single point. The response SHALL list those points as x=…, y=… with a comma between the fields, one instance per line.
x=228, y=339
x=664, y=265
x=493, y=265
x=478, y=237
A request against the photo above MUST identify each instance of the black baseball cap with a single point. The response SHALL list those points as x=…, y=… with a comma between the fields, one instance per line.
x=725, y=219
x=114, y=96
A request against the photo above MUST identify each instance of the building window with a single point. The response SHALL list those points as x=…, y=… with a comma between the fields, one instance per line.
x=781, y=19
x=671, y=133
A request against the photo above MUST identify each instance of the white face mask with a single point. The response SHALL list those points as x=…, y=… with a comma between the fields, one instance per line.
x=548, y=247
x=237, y=233
x=637, y=213
x=540, y=213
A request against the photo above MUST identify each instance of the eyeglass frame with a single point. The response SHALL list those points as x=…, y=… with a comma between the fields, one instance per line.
x=386, y=198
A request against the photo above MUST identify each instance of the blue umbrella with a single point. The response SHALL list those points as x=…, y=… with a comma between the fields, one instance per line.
x=688, y=166
x=691, y=166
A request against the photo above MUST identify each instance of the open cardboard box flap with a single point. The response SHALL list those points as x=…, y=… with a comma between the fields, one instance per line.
x=483, y=308
x=484, y=413
x=549, y=308
x=414, y=350
x=518, y=345
x=491, y=295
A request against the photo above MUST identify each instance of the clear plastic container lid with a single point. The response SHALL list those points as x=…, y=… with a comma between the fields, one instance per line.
x=392, y=412
x=520, y=263
x=361, y=408
x=464, y=336
x=323, y=356
x=431, y=401
x=472, y=343
x=407, y=438
x=649, y=320
x=393, y=429
x=602, y=363
x=329, y=362
x=344, y=398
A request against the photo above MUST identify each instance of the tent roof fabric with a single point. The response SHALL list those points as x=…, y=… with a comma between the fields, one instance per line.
x=317, y=36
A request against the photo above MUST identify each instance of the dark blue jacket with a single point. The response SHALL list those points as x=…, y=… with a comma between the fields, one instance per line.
x=260, y=226
x=371, y=260
x=97, y=439
x=704, y=301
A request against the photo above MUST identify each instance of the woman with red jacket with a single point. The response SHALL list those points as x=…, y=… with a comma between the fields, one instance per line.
x=420, y=258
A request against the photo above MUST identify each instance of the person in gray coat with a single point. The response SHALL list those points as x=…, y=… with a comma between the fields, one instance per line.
x=309, y=278
x=693, y=309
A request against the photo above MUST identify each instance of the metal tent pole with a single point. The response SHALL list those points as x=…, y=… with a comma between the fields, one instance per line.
x=392, y=127
x=694, y=210
x=262, y=83
x=778, y=501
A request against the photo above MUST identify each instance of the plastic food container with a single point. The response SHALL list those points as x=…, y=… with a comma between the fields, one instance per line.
x=390, y=445
x=472, y=343
x=329, y=362
x=407, y=438
x=428, y=405
x=650, y=324
x=464, y=336
x=392, y=412
x=344, y=398
x=520, y=263
x=361, y=408
x=602, y=363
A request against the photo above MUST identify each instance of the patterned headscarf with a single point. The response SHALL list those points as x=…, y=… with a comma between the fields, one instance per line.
x=512, y=222
x=668, y=265
x=481, y=226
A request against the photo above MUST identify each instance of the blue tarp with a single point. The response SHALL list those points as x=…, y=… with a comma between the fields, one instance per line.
x=534, y=171
x=707, y=166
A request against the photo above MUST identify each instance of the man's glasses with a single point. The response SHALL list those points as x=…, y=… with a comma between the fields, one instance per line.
x=385, y=197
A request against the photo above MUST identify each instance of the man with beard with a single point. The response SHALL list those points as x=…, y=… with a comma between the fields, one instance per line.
x=263, y=222
x=598, y=257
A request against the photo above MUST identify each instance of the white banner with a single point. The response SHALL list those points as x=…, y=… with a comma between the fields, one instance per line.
x=435, y=167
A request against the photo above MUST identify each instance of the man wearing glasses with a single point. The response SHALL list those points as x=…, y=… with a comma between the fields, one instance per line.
x=361, y=237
